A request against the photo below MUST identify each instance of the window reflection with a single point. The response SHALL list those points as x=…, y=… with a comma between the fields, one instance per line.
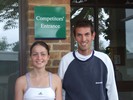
x=129, y=30
x=115, y=35
x=103, y=28
x=79, y=13
x=79, y=1
x=9, y=48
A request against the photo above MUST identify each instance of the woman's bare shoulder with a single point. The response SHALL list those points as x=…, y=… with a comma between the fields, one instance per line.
x=21, y=81
x=56, y=77
x=56, y=80
x=21, y=78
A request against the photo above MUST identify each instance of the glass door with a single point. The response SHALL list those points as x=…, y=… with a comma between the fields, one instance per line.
x=114, y=36
x=116, y=39
x=9, y=47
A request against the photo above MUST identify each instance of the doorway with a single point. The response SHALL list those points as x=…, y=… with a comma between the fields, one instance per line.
x=114, y=36
x=9, y=47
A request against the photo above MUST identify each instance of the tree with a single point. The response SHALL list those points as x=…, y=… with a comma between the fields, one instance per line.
x=9, y=13
x=3, y=44
x=15, y=46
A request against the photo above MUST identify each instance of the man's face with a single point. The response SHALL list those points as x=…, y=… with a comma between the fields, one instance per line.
x=84, y=38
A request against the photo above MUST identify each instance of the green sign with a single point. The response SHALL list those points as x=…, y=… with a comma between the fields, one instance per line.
x=50, y=22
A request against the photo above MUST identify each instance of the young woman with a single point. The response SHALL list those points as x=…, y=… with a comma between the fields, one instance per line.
x=38, y=84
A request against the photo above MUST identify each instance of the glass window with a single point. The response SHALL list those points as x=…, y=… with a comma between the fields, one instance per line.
x=114, y=37
x=78, y=1
x=102, y=1
x=9, y=47
x=79, y=13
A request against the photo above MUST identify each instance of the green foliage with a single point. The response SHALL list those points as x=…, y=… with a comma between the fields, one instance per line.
x=9, y=13
x=3, y=44
x=16, y=46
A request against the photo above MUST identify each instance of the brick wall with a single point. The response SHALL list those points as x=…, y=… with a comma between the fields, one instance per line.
x=57, y=47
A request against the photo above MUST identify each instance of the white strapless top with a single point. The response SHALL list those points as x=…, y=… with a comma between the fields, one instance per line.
x=33, y=93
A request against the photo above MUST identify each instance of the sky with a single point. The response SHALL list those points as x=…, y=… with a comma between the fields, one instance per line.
x=129, y=31
x=12, y=35
x=129, y=35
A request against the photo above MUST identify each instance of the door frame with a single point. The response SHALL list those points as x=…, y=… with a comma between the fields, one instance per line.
x=23, y=31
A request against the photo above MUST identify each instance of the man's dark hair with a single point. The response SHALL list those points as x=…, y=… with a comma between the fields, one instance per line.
x=83, y=23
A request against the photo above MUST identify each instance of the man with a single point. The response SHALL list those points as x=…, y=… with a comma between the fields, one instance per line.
x=87, y=74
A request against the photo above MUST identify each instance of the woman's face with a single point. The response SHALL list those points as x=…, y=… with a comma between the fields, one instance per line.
x=39, y=56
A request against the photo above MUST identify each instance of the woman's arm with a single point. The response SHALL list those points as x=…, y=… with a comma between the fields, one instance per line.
x=58, y=89
x=19, y=88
